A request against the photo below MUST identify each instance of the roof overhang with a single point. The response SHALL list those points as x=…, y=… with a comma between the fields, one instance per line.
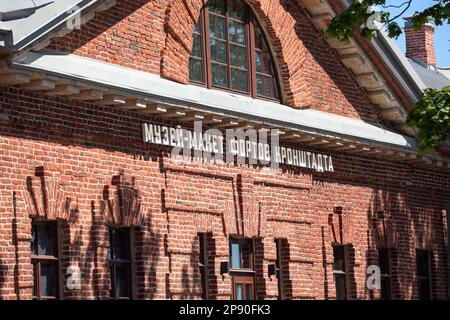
x=119, y=87
x=36, y=32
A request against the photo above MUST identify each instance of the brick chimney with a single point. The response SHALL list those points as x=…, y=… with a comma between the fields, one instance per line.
x=420, y=44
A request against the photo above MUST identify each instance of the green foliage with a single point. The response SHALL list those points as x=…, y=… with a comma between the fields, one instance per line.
x=359, y=14
x=431, y=116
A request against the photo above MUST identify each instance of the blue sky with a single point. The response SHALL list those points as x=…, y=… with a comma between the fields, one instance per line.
x=442, y=34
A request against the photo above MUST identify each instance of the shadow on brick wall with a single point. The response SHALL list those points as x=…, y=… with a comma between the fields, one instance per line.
x=424, y=229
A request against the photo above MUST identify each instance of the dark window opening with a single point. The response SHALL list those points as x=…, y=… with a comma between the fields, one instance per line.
x=44, y=257
x=120, y=262
x=203, y=263
x=423, y=274
x=229, y=51
x=279, y=267
x=340, y=271
x=384, y=262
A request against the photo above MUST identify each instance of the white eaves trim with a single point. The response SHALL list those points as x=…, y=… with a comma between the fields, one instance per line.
x=153, y=86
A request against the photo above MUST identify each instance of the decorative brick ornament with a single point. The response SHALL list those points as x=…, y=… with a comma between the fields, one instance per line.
x=384, y=233
x=46, y=199
x=203, y=222
x=341, y=226
x=254, y=219
x=124, y=207
x=425, y=238
x=231, y=222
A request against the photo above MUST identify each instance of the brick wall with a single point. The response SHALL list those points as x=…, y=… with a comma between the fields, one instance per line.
x=156, y=36
x=86, y=148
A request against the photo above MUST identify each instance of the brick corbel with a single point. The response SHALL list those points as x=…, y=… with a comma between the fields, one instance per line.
x=384, y=233
x=341, y=226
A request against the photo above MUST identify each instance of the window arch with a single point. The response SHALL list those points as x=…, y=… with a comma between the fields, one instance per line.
x=230, y=51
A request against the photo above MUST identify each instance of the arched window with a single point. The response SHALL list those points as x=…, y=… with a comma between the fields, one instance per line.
x=230, y=51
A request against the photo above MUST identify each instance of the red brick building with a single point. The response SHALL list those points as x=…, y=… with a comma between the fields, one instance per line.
x=93, y=206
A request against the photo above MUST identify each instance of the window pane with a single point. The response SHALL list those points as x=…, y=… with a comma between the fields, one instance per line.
x=385, y=288
x=246, y=256
x=236, y=9
x=212, y=43
x=197, y=46
x=233, y=55
x=235, y=256
x=234, y=78
x=267, y=84
x=242, y=57
x=120, y=245
x=383, y=261
x=215, y=73
x=46, y=240
x=33, y=244
x=239, y=293
x=222, y=52
x=422, y=264
x=242, y=80
x=223, y=80
x=48, y=280
x=198, y=26
x=212, y=26
x=424, y=289
x=248, y=292
x=240, y=33
x=122, y=281
x=220, y=33
x=216, y=6
x=259, y=85
x=340, y=286
x=339, y=258
x=231, y=31
x=259, y=62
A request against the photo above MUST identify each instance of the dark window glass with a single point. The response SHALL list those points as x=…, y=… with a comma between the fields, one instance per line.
x=203, y=263
x=241, y=254
x=278, y=267
x=223, y=49
x=120, y=244
x=48, y=280
x=339, y=270
x=120, y=263
x=423, y=274
x=384, y=262
x=44, y=257
x=339, y=258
